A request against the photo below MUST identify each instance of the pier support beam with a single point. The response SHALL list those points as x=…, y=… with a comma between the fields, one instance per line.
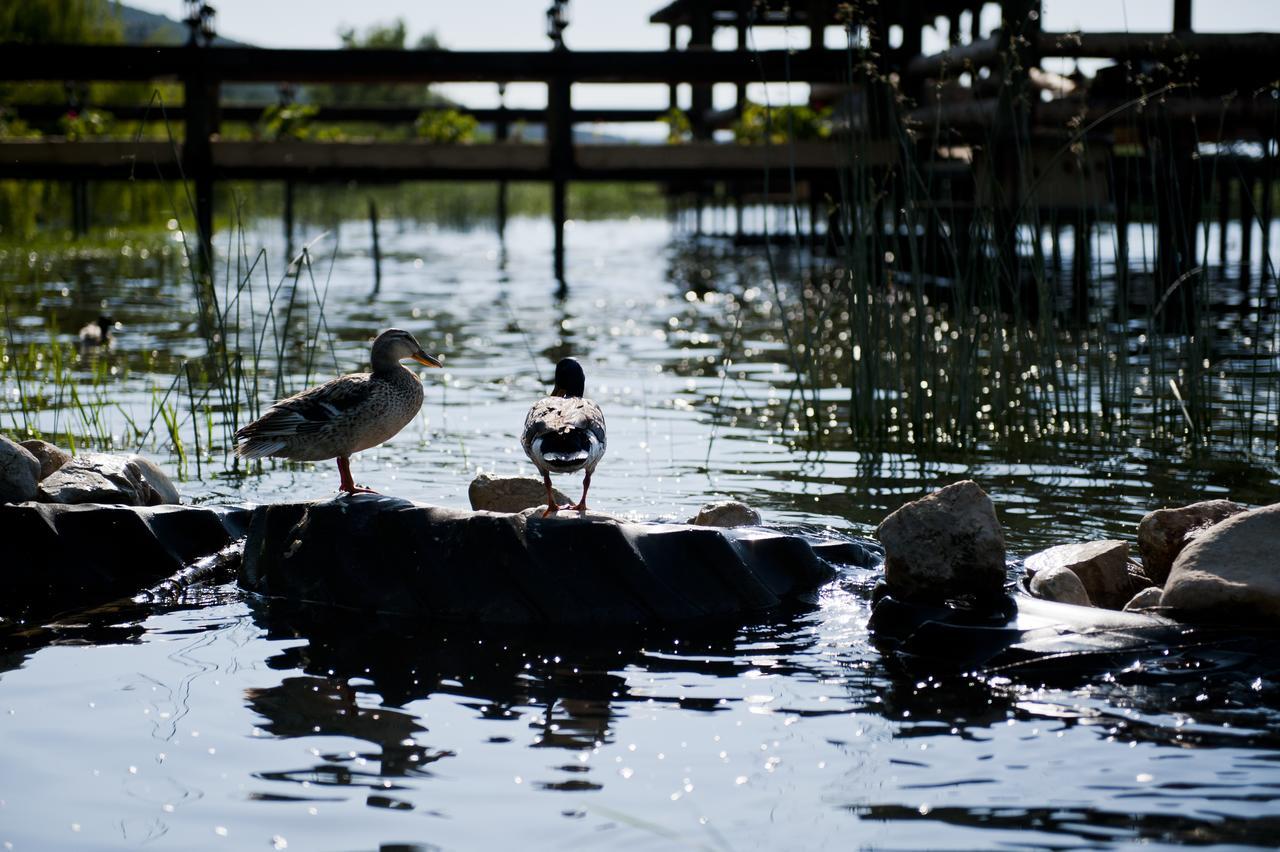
x=560, y=140
x=200, y=108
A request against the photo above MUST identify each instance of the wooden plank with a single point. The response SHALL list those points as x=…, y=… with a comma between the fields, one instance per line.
x=251, y=64
x=374, y=161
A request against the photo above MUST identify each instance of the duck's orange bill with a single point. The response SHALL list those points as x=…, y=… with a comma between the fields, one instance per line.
x=426, y=360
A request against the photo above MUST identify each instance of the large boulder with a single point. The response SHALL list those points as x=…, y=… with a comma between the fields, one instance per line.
x=1102, y=566
x=1230, y=571
x=50, y=457
x=726, y=513
x=1059, y=583
x=110, y=479
x=1163, y=533
x=393, y=557
x=63, y=557
x=19, y=473
x=944, y=545
x=491, y=493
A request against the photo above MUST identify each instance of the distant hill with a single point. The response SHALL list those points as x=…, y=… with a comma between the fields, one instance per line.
x=142, y=27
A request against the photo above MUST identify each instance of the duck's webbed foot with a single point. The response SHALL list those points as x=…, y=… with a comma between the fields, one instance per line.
x=348, y=485
x=582, y=504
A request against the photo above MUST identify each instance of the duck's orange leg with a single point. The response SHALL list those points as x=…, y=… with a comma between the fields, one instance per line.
x=348, y=485
x=586, y=484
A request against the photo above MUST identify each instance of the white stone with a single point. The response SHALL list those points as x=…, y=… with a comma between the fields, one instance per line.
x=19, y=473
x=1230, y=570
x=1059, y=583
x=491, y=493
x=726, y=513
x=1163, y=533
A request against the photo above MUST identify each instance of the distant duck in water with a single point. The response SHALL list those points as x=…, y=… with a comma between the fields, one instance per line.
x=346, y=415
x=97, y=333
x=564, y=433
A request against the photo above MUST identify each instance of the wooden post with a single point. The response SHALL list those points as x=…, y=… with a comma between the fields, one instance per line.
x=1081, y=267
x=1246, y=231
x=1182, y=16
x=288, y=221
x=1224, y=216
x=1265, y=212
x=1011, y=129
x=816, y=12
x=1122, y=236
x=200, y=105
x=501, y=133
x=1177, y=197
x=700, y=101
x=672, y=87
x=740, y=23
x=377, y=251
x=560, y=156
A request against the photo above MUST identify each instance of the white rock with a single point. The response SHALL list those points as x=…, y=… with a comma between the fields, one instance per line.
x=1059, y=583
x=949, y=543
x=1230, y=570
x=1102, y=566
x=19, y=473
x=105, y=478
x=726, y=513
x=1163, y=533
x=491, y=493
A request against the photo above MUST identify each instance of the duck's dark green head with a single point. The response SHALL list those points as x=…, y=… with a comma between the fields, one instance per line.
x=570, y=380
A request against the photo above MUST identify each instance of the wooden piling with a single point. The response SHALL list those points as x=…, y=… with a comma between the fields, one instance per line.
x=1265, y=213
x=377, y=251
x=560, y=156
x=1246, y=231
x=288, y=221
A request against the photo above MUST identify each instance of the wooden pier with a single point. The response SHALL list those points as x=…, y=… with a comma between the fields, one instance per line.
x=976, y=118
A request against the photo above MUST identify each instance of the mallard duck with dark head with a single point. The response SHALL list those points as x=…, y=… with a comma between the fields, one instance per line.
x=346, y=415
x=564, y=433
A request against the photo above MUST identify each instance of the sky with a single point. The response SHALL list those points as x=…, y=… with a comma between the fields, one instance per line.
x=624, y=24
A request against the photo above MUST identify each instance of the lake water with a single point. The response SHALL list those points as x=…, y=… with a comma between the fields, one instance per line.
x=225, y=724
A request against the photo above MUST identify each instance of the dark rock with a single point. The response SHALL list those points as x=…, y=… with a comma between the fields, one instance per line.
x=108, y=479
x=384, y=555
x=19, y=472
x=63, y=557
x=1040, y=638
x=1163, y=533
x=726, y=513
x=947, y=544
x=1231, y=571
x=491, y=493
x=50, y=457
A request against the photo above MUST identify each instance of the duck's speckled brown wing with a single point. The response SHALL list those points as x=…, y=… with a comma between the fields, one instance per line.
x=305, y=413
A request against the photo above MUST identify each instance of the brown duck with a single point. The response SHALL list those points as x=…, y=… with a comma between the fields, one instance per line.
x=346, y=415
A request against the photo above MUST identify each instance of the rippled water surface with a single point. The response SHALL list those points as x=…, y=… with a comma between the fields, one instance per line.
x=228, y=724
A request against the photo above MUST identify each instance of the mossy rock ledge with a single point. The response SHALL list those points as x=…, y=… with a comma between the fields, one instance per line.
x=391, y=556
